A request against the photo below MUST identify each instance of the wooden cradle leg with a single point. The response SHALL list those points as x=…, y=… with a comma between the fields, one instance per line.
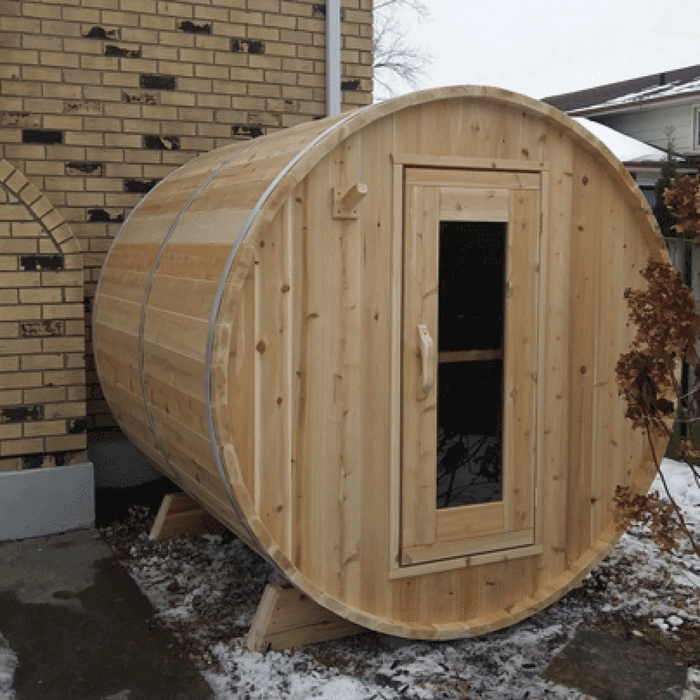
x=179, y=514
x=287, y=618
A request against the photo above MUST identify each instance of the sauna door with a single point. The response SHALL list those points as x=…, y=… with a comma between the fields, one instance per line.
x=470, y=284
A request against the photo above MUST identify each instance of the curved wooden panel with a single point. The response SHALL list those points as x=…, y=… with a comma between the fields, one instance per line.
x=251, y=341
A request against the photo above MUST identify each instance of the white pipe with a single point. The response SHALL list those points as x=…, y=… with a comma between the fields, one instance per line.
x=333, y=77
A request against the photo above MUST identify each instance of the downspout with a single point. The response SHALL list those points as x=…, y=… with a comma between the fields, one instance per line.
x=333, y=77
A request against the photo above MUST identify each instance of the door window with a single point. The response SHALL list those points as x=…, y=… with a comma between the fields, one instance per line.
x=471, y=274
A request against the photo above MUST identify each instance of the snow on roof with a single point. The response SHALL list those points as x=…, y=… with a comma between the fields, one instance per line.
x=675, y=88
x=626, y=149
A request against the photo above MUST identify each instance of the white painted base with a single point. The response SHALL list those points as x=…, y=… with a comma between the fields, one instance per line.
x=36, y=502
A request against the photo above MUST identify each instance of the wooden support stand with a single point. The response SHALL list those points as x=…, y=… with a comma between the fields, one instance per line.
x=287, y=618
x=179, y=515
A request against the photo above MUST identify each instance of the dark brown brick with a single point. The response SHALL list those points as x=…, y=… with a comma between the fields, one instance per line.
x=102, y=33
x=41, y=262
x=149, y=81
x=138, y=185
x=21, y=414
x=42, y=329
x=192, y=28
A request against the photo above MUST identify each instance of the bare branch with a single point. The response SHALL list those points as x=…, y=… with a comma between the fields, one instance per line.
x=417, y=6
x=394, y=57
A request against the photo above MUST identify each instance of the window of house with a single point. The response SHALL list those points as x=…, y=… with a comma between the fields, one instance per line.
x=649, y=192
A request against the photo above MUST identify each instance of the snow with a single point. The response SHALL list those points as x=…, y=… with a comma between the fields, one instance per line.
x=266, y=676
x=692, y=691
x=498, y=666
x=655, y=92
x=683, y=487
x=8, y=663
x=206, y=590
x=625, y=148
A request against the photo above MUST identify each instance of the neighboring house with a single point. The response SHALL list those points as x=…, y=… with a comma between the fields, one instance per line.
x=642, y=160
x=661, y=110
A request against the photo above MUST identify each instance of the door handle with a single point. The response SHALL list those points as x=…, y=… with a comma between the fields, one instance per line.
x=426, y=350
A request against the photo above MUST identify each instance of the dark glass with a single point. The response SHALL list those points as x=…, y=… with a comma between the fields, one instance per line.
x=471, y=305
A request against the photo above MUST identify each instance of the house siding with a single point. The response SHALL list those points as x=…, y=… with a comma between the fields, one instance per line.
x=652, y=125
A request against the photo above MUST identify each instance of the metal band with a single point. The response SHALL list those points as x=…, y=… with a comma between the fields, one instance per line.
x=93, y=323
x=146, y=297
x=217, y=304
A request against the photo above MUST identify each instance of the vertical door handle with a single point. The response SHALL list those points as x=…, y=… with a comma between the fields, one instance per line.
x=426, y=350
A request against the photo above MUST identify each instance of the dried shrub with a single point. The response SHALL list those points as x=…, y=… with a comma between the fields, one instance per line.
x=660, y=517
x=642, y=378
x=683, y=199
x=664, y=313
x=667, y=328
x=687, y=450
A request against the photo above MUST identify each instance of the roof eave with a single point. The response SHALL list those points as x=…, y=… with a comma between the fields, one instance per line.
x=681, y=166
x=599, y=110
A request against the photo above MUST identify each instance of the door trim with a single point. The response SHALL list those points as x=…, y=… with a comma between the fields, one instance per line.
x=465, y=163
x=464, y=558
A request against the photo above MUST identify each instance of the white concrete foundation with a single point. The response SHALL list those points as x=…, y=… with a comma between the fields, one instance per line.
x=36, y=502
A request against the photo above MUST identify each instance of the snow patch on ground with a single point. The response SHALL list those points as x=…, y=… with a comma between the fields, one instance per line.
x=503, y=665
x=245, y=674
x=653, y=583
x=692, y=692
x=8, y=663
x=207, y=589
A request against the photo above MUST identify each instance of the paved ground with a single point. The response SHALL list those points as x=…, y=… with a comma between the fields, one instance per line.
x=83, y=631
x=610, y=668
x=81, y=628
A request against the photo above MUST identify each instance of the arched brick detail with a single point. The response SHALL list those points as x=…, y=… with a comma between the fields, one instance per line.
x=42, y=331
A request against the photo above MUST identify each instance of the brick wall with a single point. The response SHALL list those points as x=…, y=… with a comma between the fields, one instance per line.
x=100, y=99
x=42, y=375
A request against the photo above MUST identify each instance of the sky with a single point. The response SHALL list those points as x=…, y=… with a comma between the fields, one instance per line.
x=548, y=47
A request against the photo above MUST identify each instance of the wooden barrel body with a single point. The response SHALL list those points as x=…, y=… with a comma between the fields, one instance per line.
x=317, y=332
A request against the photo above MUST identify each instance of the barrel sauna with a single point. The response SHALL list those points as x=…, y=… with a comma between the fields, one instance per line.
x=380, y=347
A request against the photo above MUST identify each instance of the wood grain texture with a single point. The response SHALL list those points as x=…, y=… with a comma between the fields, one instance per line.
x=287, y=618
x=264, y=352
x=181, y=515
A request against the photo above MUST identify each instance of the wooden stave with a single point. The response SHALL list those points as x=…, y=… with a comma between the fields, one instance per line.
x=261, y=540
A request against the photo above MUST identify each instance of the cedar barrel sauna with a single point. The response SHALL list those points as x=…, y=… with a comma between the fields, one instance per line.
x=380, y=348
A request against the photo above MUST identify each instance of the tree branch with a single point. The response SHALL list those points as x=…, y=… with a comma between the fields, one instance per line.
x=394, y=57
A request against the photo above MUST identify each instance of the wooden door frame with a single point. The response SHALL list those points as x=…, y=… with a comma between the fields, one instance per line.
x=399, y=165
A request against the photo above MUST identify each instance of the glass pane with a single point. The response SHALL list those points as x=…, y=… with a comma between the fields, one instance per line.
x=470, y=384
